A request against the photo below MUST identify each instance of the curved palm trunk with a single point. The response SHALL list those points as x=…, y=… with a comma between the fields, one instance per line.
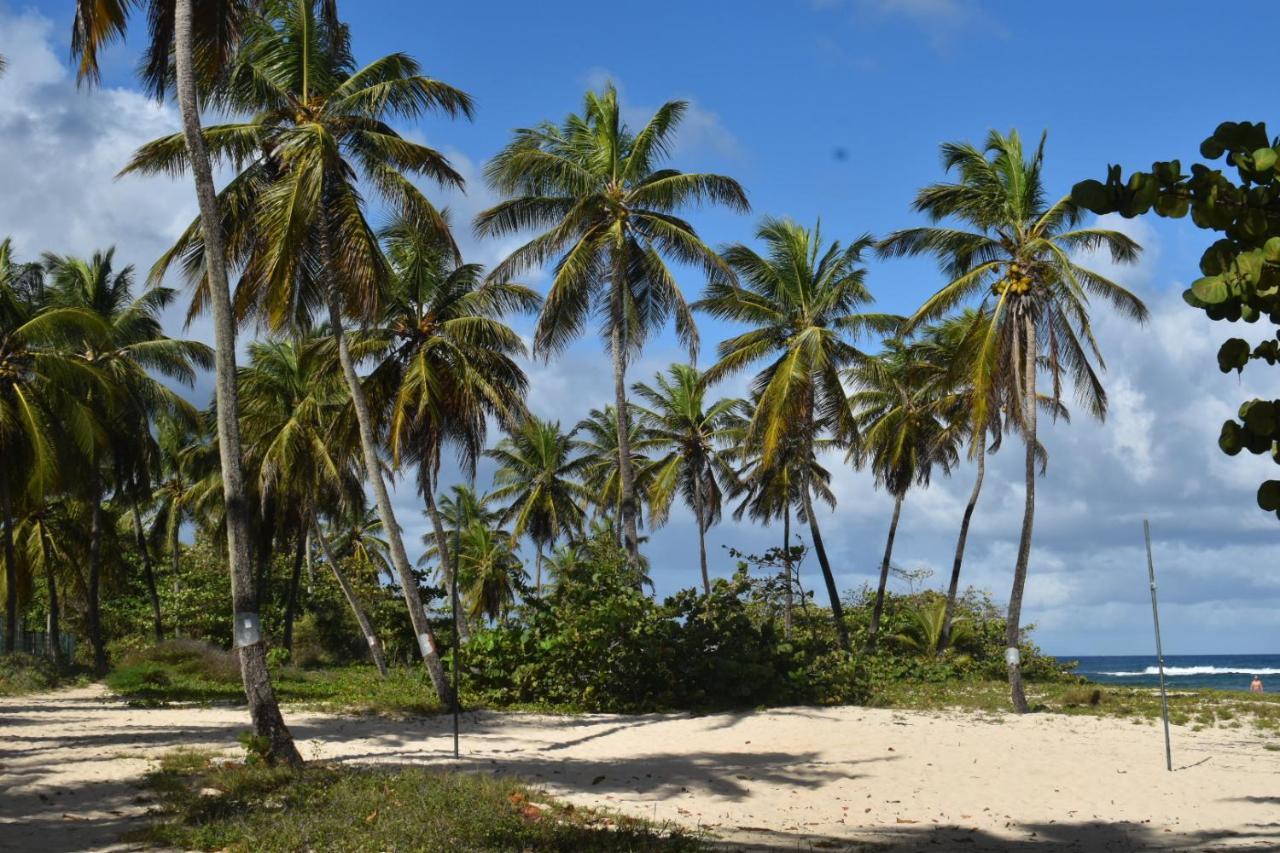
x=427, y=644
x=295, y=580
x=93, y=616
x=446, y=558
x=945, y=639
x=10, y=573
x=148, y=570
x=55, y=610
x=263, y=707
x=626, y=476
x=876, y=611
x=788, y=593
x=175, y=565
x=837, y=610
x=1013, y=625
x=537, y=569
x=375, y=645
x=702, y=533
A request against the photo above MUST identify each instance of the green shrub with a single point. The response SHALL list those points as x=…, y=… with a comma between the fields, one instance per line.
x=24, y=673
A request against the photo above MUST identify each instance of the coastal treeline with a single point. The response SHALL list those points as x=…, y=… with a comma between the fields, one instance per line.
x=378, y=351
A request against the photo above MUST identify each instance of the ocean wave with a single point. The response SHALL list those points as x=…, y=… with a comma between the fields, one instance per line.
x=1175, y=671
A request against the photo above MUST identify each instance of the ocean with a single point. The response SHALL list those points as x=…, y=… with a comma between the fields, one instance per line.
x=1221, y=672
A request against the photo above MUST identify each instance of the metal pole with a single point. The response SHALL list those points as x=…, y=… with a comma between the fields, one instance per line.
x=1155, y=617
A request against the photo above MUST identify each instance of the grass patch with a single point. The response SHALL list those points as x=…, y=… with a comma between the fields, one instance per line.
x=23, y=673
x=182, y=671
x=333, y=807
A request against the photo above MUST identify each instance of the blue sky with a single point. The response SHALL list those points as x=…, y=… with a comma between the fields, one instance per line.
x=828, y=109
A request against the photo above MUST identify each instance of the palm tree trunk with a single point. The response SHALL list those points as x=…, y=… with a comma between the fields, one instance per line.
x=93, y=618
x=375, y=646
x=837, y=610
x=1013, y=625
x=537, y=570
x=55, y=611
x=952, y=590
x=175, y=562
x=295, y=579
x=263, y=708
x=702, y=533
x=788, y=593
x=427, y=644
x=626, y=477
x=265, y=550
x=874, y=630
x=10, y=573
x=148, y=570
x=447, y=561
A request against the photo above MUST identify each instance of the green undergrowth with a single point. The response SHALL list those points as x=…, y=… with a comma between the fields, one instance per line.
x=23, y=673
x=184, y=671
x=239, y=807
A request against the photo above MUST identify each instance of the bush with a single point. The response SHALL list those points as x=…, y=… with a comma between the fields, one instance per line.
x=24, y=673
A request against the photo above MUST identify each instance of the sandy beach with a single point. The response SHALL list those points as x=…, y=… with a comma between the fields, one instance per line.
x=783, y=779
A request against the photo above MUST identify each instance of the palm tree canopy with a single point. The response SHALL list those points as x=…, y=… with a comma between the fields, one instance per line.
x=678, y=423
x=595, y=437
x=537, y=477
x=1017, y=253
x=608, y=214
x=294, y=216
x=803, y=302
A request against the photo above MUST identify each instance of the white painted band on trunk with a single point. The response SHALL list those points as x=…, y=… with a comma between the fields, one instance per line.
x=425, y=644
x=248, y=629
x=371, y=640
x=1012, y=656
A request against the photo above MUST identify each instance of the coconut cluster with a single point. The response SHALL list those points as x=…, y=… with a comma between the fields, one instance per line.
x=1016, y=281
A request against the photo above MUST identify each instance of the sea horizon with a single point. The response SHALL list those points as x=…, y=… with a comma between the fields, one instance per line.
x=1219, y=672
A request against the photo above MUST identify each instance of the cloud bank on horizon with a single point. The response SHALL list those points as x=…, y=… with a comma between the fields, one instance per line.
x=1156, y=456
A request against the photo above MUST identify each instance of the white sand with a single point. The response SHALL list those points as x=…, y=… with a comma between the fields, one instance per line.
x=793, y=778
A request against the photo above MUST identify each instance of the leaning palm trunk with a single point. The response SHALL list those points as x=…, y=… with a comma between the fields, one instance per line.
x=263, y=707
x=837, y=610
x=788, y=594
x=55, y=610
x=626, y=476
x=945, y=638
x=373, y=469
x=148, y=570
x=375, y=646
x=295, y=580
x=876, y=611
x=93, y=612
x=447, y=561
x=1013, y=625
x=702, y=532
x=10, y=573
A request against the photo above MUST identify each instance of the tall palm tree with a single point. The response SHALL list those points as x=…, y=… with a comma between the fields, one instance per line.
x=134, y=346
x=678, y=421
x=803, y=302
x=609, y=216
x=1014, y=251
x=446, y=358
x=537, y=478
x=43, y=385
x=296, y=221
x=183, y=49
x=595, y=437
x=900, y=437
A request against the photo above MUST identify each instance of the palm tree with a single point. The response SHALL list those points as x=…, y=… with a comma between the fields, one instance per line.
x=296, y=215
x=610, y=216
x=489, y=570
x=43, y=385
x=595, y=438
x=446, y=358
x=678, y=421
x=178, y=446
x=44, y=531
x=803, y=303
x=183, y=49
x=538, y=480
x=900, y=437
x=1014, y=251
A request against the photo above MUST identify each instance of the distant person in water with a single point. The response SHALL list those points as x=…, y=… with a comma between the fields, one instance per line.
x=1256, y=686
